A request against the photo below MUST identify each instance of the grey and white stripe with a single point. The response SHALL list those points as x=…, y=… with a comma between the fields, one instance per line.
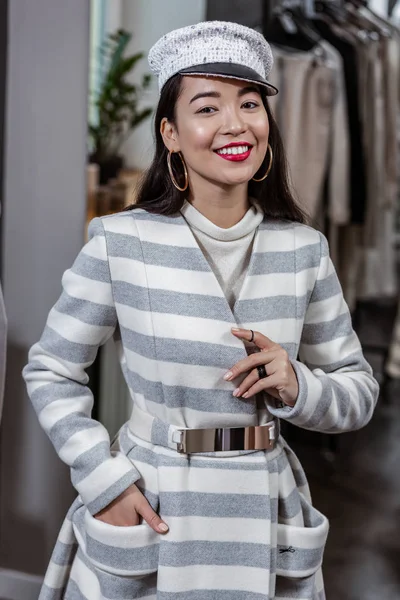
x=226, y=532
x=143, y=280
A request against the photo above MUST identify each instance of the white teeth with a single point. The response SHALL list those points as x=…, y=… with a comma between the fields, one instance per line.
x=234, y=150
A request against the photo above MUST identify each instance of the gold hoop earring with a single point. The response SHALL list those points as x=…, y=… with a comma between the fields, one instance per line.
x=181, y=189
x=271, y=158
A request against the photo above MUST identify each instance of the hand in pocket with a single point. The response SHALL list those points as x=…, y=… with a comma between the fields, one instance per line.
x=126, y=510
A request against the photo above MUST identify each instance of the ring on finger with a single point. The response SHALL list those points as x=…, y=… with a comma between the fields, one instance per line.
x=262, y=371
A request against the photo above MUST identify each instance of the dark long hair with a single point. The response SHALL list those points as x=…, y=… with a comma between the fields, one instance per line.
x=157, y=194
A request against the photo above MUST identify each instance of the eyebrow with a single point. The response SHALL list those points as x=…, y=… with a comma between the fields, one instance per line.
x=242, y=92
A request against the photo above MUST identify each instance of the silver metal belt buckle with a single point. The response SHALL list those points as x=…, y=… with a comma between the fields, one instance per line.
x=256, y=437
x=181, y=445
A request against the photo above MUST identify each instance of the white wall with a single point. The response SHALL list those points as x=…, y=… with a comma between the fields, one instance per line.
x=149, y=20
x=43, y=230
x=379, y=6
x=114, y=14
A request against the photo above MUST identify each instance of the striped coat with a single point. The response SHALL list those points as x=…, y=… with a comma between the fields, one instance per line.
x=242, y=526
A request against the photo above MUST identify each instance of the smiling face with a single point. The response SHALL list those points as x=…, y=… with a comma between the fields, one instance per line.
x=221, y=130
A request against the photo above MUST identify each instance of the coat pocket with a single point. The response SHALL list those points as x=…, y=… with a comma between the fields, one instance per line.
x=125, y=551
x=124, y=560
x=120, y=551
x=300, y=549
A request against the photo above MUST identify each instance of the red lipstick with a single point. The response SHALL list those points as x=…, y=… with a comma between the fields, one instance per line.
x=238, y=156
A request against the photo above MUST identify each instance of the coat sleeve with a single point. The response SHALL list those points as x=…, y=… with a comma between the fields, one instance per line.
x=337, y=390
x=83, y=318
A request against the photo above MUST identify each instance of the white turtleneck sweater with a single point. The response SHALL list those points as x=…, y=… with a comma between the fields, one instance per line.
x=228, y=250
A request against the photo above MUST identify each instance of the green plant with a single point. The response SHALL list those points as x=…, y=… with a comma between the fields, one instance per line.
x=117, y=99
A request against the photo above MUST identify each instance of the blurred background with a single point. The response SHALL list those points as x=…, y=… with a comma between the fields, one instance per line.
x=76, y=105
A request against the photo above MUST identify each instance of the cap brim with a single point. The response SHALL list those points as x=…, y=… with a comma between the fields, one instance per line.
x=232, y=71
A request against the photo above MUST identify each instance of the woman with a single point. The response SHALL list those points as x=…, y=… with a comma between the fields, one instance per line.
x=200, y=497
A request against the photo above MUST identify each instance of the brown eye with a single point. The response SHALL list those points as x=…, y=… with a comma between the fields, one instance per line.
x=207, y=110
x=250, y=104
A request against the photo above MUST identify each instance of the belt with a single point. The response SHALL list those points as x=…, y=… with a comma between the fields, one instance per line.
x=214, y=439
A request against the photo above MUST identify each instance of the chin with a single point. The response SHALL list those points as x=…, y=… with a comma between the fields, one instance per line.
x=239, y=180
x=230, y=178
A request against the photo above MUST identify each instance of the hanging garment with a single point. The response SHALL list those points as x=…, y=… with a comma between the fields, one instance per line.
x=3, y=346
x=312, y=117
x=363, y=252
x=143, y=279
x=374, y=262
x=375, y=130
x=3, y=349
x=358, y=194
x=393, y=364
x=392, y=82
x=389, y=41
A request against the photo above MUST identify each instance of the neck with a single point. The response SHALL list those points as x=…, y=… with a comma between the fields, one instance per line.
x=224, y=206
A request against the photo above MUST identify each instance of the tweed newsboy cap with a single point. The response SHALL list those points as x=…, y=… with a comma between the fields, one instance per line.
x=213, y=48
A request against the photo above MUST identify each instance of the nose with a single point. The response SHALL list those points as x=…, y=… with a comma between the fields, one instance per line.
x=234, y=123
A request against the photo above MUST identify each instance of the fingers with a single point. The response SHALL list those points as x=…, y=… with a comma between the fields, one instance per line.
x=127, y=510
x=125, y=520
x=150, y=516
x=279, y=383
x=275, y=383
x=252, y=361
x=270, y=384
x=262, y=341
x=247, y=383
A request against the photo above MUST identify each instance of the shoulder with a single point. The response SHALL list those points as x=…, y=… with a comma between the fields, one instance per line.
x=128, y=221
x=123, y=222
x=312, y=252
x=308, y=236
x=114, y=219
x=295, y=233
x=311, y=247
x=123, y=233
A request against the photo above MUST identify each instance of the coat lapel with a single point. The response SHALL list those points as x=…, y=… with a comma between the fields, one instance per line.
x=182, y=271
x=191, y=323
x=268, y=299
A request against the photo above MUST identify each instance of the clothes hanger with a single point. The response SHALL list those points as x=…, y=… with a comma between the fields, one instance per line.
x=347, y=15
x=302, y=20
x=361, y=9
x=332, y=9
x=364, y=27
x=289, y=26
